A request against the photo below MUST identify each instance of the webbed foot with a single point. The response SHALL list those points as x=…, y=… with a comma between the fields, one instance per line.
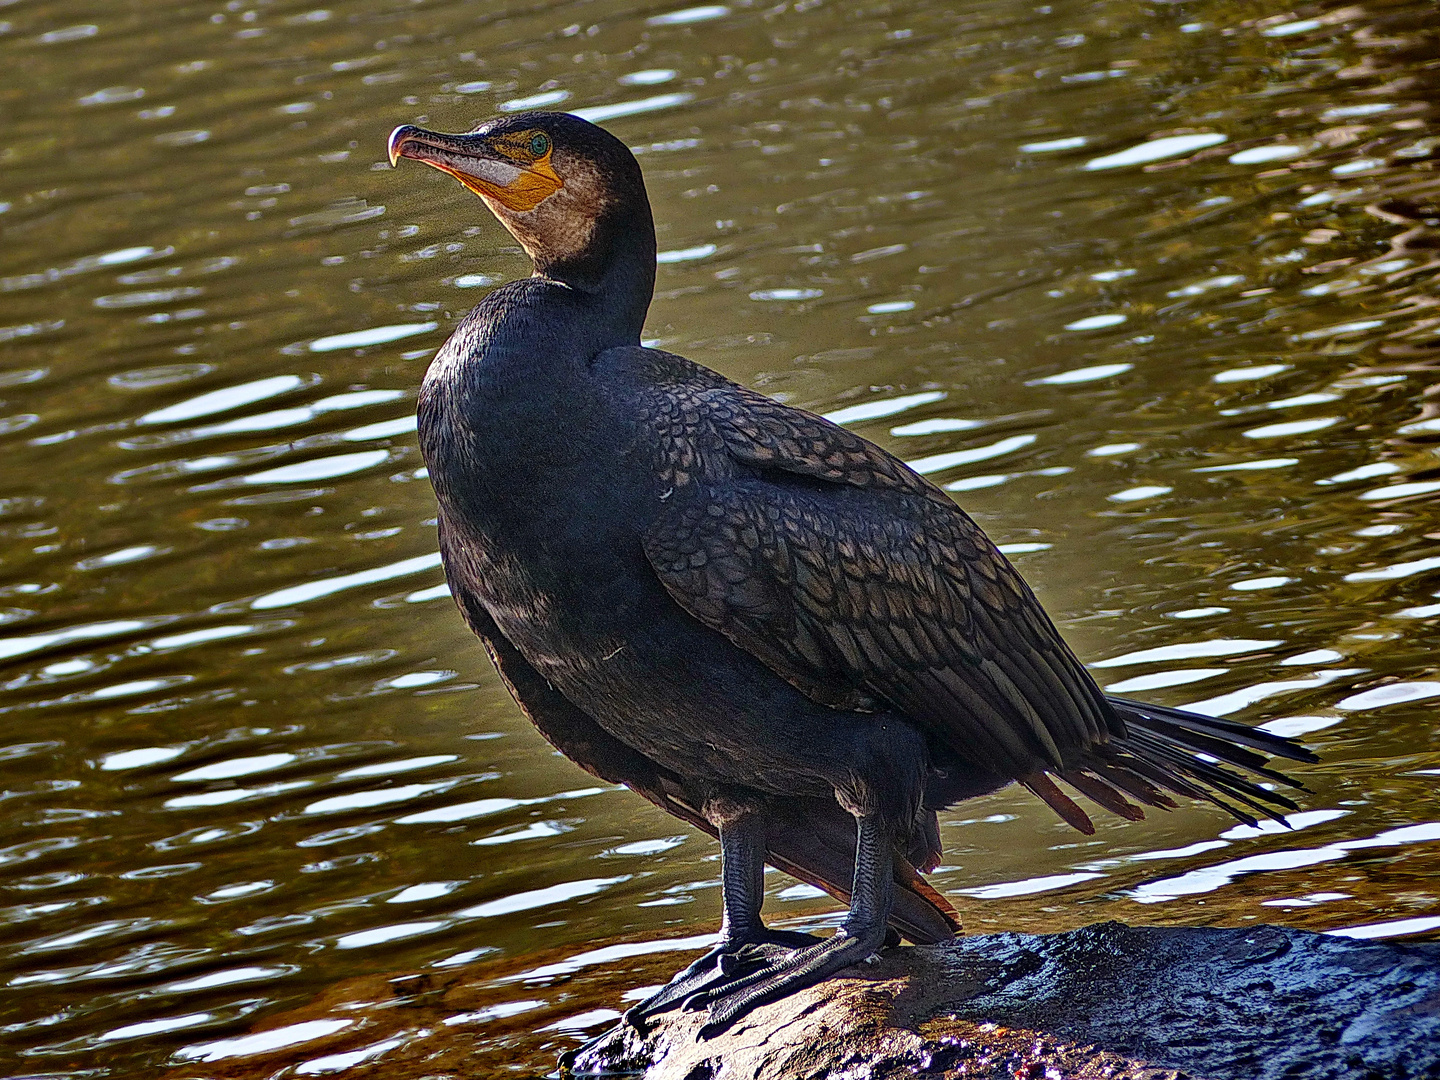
x=727, y=962
x=732, y=998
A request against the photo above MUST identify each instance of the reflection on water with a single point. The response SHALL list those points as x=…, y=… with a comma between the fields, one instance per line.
x=1152, y=291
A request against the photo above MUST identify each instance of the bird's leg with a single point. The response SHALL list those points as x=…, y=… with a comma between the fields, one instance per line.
x=746, y=943
x=861, y=935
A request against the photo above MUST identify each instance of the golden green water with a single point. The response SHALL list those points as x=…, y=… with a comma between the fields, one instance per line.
x=250, y=756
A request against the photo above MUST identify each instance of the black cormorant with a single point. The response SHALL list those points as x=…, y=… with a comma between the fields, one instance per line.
x=758, y=620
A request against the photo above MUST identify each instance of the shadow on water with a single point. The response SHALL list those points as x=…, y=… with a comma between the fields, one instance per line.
x=1150, y=287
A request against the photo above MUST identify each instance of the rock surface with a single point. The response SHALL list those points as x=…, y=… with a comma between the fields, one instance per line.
x=1111, y=1001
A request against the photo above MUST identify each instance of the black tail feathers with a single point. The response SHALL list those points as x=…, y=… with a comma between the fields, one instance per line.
x=1172, y=751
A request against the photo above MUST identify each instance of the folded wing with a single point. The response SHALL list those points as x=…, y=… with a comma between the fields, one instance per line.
x=866, y=587
x=861, y=583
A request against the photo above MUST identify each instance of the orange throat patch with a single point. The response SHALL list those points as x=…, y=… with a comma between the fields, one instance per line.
x=532, y=185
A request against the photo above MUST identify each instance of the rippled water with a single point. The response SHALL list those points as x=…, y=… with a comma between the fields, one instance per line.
x=1151, y=287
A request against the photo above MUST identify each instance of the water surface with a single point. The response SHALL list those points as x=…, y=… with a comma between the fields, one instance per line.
x=1149, y=287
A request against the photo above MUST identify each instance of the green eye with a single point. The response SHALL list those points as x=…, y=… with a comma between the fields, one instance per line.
x=539, y=144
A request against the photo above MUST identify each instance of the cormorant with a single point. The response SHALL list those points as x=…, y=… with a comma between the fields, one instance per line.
x=756, y=619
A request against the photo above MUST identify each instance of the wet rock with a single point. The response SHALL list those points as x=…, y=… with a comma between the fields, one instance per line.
x=1107, y=1001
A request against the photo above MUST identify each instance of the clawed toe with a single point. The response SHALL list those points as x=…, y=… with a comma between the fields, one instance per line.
x=727, y=964
x=727, y=1002
x=715, y=967
x=569, y=1058
x=792, y=939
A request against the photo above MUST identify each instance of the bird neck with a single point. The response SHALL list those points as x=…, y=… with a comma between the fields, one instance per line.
x=615, y=271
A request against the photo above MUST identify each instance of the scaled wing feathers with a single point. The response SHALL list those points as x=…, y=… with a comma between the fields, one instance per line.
x=871, y=589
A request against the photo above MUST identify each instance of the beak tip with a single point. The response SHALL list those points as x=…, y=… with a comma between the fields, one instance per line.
x=396, y=141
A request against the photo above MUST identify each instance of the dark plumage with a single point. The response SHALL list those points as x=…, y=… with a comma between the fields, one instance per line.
x=758, y=620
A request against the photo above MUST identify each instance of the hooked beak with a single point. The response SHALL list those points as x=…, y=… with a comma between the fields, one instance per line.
x=480, y=163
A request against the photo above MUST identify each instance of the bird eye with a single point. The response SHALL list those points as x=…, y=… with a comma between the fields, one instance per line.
x=538, y=145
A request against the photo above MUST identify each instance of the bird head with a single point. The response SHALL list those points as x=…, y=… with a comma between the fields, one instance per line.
x=558, y=183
